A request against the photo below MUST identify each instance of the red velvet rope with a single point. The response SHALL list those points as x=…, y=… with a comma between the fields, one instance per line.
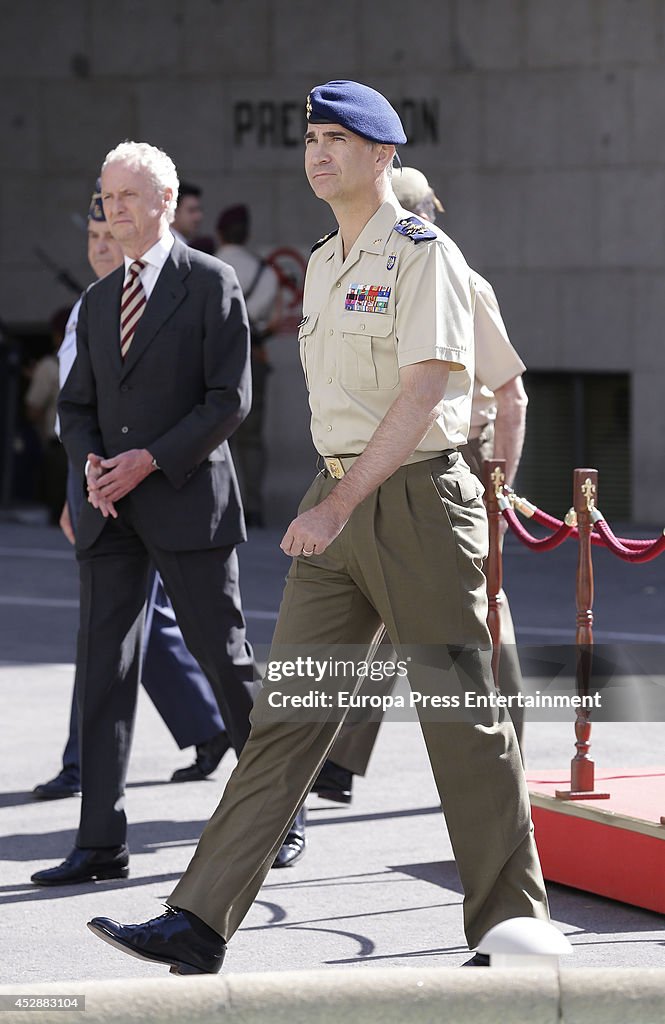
x=617, y=547
x=536, y=543
x=555, y=524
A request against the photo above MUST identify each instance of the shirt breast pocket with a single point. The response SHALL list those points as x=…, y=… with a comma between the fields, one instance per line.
x=368, y=352
x=305, y=340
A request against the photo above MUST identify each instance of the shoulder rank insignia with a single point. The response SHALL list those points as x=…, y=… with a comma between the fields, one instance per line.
x=414, y=229
x=322, y=241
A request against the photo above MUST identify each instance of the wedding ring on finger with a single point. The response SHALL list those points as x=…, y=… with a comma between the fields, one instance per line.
x=307, y=554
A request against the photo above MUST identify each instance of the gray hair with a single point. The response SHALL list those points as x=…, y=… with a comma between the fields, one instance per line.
x=158, y=165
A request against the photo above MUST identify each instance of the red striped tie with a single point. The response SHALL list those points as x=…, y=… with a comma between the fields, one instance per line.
x=132, y=306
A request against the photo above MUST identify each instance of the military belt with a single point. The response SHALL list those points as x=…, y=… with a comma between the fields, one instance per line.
x=338, y=465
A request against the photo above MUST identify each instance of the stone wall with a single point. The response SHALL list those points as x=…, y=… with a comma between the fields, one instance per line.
x=539, y=121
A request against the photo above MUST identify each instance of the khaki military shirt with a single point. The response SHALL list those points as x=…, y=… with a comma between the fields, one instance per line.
x=497, y=362
x=392, y=302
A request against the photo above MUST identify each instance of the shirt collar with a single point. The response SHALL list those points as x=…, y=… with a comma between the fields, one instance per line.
x=157, y=255
x=375, y=235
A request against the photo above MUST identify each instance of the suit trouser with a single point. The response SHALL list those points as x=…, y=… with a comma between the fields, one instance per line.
x=354, y=746
x=171, y=676
x=204, y=589
x=410, y=556
x=173, y=679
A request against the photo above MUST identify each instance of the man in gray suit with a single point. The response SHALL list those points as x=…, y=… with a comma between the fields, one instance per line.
x=160, y=382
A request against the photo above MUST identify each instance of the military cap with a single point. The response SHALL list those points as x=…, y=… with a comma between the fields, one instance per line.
x=412, y=188
x=362, y=110
x=96, y=210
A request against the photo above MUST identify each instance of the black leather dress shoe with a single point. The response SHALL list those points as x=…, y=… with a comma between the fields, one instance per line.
x=293, y=846
x=208, y=756
x=479, y=960
x=169, y=939
x=334, y=783
x=87, y=866
x=67, y=783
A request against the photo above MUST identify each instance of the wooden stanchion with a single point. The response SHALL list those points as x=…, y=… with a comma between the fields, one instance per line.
x=495, y=475
x=585, y=489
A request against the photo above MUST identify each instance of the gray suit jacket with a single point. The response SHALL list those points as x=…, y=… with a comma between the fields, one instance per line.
x=182, y=390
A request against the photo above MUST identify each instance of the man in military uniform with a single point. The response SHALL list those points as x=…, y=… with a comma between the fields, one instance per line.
x=393, y=531
x=498, y=423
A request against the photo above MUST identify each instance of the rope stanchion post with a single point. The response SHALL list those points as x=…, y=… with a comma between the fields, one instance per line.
x=495, y=476
x=585, y=489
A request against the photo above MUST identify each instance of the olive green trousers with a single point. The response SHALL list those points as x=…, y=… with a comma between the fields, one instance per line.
x=354, y=745
x=411, y=557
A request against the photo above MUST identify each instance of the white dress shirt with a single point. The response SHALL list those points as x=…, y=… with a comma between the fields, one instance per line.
x=154, y=260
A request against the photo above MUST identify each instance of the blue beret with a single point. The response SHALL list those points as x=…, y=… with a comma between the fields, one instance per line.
x=362, y=110
x=96, y=211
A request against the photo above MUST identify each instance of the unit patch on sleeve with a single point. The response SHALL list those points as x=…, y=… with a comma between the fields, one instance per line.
x=367, y=298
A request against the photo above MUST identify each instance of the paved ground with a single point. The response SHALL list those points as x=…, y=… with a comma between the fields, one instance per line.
x=378, y=885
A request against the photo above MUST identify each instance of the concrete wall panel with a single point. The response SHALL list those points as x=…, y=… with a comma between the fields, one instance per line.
x=324, y=42
x=221, y=37
x=647, y=328
x=485, y=216
x=491, y=33
x=135, y=38
x=596, y=321
x=44, y=40
x=187, y=119
x=632, y=217
x=20, y=126
x=83, y=120
x=648, y=103
x=557, y=118
x=398, y=38
x=562, y=34
x=560, y=213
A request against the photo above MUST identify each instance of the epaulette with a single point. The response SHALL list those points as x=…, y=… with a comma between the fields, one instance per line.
x=322, y=241
x=414, y=229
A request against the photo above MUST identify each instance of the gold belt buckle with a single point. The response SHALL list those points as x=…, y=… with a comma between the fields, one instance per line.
x=334, y=467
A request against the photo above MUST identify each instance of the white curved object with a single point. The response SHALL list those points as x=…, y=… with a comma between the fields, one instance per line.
x=524, y=942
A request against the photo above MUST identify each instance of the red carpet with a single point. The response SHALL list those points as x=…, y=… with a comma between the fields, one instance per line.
x=614, y=847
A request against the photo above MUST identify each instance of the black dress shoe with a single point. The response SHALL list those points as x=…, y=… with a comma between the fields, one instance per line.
x=67, y=783
x=334, y=783
x=293, y=846
x=208, y=756
x=87, y=865
x=169, y=939
x=479, y=960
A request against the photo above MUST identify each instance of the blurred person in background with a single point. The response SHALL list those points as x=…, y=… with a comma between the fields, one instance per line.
x=41, y=410
x=188, y=216
x=260, y=288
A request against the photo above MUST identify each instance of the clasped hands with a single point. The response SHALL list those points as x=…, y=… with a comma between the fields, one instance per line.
x=111, y=479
